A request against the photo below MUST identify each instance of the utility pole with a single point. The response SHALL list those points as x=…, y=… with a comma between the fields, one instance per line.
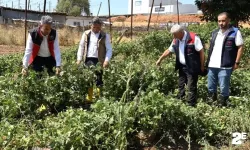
x=110, y=28
x=12, y=4
x=178, y=12
x=44, y=7
x=131, y=23
x=99, y=9
x=18, y=4
x=39, y=7
x=25, y=25
x=28, y=4
x=150, y=15
x=49, y=5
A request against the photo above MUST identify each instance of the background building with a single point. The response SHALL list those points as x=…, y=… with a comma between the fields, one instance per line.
x=168, y=7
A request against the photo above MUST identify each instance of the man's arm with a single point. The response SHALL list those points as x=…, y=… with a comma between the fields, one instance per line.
x=28, y=52
x=239, y=44
x=202, y=59
x=239, y=54
x=199, y=48
x=166, y=53
x=81, y=49
x=108, y=48
x=57, y=51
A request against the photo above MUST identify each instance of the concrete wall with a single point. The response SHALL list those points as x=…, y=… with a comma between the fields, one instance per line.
x=139, y=7
x=1, y=20
x=186, y=9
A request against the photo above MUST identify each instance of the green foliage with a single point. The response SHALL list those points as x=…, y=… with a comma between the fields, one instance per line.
x=211, y=9
x=138, y=98
x=203, y=31
x=73, y=7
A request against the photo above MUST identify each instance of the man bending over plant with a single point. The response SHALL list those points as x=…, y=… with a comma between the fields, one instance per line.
x=189, y=61
x=42, y=48
x=94, y=47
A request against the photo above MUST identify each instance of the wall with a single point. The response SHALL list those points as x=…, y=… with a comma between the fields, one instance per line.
x=186, y=9
x=1, y=20
x=167, y=9
x=31, y=15
x=83, y=21
x=144, y=7
x=139, y=7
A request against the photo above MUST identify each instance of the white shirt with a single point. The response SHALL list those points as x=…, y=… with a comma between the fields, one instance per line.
x=197, y=43
x=43, y=51
x=215, y=59
x=44, y=48
x=93, y=46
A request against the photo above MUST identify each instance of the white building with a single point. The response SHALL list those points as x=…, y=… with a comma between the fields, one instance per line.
x=168, y=7
x=78, y=21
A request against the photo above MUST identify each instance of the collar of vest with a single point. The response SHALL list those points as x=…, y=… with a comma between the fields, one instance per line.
x=39, y=32
x=189, y=38
x=230, y=29
x=102, y=34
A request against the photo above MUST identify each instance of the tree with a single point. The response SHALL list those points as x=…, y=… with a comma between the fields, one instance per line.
x=73, y=7
x=238, y=9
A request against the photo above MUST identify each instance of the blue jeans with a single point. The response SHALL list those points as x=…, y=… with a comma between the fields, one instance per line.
x=222, y=76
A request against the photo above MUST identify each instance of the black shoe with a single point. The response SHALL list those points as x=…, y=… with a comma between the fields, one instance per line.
x=224, y=101
x=212, y=97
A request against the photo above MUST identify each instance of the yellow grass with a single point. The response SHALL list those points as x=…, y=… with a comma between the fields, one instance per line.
x=10, y=35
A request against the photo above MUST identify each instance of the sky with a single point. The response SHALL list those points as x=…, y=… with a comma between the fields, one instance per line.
x=116, y=6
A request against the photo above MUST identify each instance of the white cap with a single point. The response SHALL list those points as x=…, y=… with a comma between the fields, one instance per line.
x=176, y=28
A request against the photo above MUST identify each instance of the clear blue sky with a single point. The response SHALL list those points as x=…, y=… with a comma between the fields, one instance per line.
x=116, y=6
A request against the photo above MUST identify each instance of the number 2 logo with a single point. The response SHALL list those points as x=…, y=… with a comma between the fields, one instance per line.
x=238, y=137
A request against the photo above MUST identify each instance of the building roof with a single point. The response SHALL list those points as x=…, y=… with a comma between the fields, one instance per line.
x=80, y=17
x=33, y=11
x=164, y=2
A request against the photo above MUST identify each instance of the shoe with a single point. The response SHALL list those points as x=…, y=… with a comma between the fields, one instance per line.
x=224, y=101
x=89, y=98
x=212, y=97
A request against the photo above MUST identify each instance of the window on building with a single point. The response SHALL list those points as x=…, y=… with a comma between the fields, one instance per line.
x=159, y=9
x=138, y=3
x=77, y=24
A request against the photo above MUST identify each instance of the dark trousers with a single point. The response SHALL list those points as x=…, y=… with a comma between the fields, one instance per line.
x=185, y=78
x=93, y=62
x=40, y=62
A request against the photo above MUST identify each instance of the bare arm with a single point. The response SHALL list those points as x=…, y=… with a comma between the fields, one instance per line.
x=164, y=55
x=202, y=59
x=239, y=54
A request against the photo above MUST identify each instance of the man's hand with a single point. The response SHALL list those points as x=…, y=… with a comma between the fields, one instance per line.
x=58, y=70
x=105, y=64
x=78, y=62
x=202, y=68
x=158, y=63
x=24, y=71
x=236, y=66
